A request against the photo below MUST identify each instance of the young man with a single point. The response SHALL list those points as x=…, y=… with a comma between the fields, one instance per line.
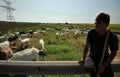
x=96, y=40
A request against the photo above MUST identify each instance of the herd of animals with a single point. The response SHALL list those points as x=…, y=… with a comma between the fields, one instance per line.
x=24, y=51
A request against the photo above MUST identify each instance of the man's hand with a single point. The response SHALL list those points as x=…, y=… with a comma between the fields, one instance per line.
x=81, y=61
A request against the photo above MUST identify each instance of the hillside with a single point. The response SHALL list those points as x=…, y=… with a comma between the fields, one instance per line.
x=5, y=26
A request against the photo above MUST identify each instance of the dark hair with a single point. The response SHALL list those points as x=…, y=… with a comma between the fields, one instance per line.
x=103, y=17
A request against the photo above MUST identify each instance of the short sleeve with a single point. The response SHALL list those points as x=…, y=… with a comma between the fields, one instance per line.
x=114, y=43
x=89, y=37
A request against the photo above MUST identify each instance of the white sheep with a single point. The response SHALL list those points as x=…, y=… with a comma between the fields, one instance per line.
x=76, y=34
x=64, y=34
x=23, y=36
x=30, y=54
x=41, y=43
x=57, y=35
x=3, y=38
x=25, y=43
x=5, y=44
x=26, y=40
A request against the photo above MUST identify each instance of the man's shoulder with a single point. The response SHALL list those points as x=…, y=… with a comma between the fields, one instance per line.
x=113, y=34
x=92, y=31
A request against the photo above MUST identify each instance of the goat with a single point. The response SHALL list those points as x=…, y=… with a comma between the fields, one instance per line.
x=41, y=43
x=5, y=51
x=25, y=43
x=29, y=54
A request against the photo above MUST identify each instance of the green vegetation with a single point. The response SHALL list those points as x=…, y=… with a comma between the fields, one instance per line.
x=64, y=48
x=60, y=49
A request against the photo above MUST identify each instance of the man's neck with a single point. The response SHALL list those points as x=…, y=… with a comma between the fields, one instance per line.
x=102, y=32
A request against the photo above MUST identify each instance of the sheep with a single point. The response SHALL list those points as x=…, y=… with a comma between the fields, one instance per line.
x=57, y=35
x=17, y=33
x=64, y=34
x=29, y=54
x=23, y=36
x=35, y=32
x=76, y=34
x=25, y=43
x=43, y=32
x=30, y=33
x=12, y=38
x=5, y=50
x=26, y=40
x=3, y=38
x=4, y=44
x=42, y=49
x=13, y=41
x=7, y=53
x=22, y=32
x=41, y=43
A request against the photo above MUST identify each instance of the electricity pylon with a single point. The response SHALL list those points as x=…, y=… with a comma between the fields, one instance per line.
x=9, y=10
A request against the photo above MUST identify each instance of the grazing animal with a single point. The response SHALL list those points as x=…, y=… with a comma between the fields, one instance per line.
x=23, y=36
x=25, y=43
x=4, y=44
x=57, y=35
x=41, y=43
x=5, y=51
x=3, y=38
x=30, y=54
x=13, y=42
x=12, y=38
x=30, y=33
x=76, y=34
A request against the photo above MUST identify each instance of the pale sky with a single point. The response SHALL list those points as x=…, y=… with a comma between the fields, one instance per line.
x=61, y=11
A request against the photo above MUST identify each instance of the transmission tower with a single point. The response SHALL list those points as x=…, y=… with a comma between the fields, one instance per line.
x=9, y=10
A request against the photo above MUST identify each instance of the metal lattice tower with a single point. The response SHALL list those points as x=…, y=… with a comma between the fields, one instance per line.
x=9, y=10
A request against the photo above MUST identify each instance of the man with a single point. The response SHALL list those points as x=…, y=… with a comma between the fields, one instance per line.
x=96, y=40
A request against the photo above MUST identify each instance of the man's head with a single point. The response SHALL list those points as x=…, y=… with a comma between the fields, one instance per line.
x=103, y=17
x=102, y=21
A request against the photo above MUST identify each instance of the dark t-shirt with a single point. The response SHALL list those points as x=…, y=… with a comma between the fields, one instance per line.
x=97, y=41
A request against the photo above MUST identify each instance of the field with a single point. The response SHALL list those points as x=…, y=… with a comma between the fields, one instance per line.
x=62, y=48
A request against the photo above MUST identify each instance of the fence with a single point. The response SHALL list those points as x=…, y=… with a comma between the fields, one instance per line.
x=47, y=67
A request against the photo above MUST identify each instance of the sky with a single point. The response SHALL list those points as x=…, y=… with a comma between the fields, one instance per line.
x=62, y=11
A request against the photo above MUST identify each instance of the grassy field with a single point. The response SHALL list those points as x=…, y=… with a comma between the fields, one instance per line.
x=67, y=49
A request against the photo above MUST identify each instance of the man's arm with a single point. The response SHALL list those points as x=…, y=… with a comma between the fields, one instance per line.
x=113, y=49
x=110, y=58
x=107, y=62
x=85, y=51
